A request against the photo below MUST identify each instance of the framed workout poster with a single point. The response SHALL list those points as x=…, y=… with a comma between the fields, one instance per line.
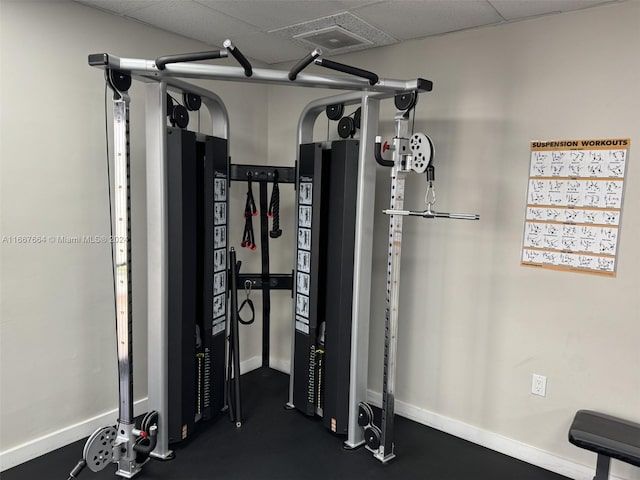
x=574, y=205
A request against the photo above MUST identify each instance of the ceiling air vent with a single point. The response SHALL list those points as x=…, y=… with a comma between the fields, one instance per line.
x=334, y=38
x=335, y=34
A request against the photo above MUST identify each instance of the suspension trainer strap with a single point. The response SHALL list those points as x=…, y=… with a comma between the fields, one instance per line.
x=274, y=208
x=250, y=211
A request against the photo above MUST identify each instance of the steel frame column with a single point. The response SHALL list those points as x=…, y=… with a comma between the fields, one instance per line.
x=157, y=262
x=370, y=104
x=157, y=241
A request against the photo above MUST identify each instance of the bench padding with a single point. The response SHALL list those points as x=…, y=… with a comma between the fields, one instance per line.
x=606, y=435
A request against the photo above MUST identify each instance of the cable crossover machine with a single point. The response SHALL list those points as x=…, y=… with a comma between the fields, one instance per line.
x=192, y=273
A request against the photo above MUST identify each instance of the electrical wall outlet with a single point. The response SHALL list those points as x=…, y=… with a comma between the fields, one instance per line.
x=539, y=385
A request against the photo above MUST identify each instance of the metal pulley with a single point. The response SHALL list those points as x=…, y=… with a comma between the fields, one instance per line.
x=422, y=150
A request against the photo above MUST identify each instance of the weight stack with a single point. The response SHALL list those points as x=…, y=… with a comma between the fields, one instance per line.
x=327, y=196
x=197, y=244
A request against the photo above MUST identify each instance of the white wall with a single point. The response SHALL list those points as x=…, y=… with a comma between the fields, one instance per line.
x=58, y=362
x=474, y=324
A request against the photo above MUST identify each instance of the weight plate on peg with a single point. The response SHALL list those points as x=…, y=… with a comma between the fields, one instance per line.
x=406, y=101
x=422, y=150
x=192, y=101
x=335, y=111
x=179, y=116
x=346, y=127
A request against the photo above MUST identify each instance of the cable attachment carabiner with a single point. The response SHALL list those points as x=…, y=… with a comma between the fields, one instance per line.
x=247, y=302
x=430, y=195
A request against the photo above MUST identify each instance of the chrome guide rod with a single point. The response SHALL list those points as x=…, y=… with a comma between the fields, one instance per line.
x=122, y=255
x=123, y=454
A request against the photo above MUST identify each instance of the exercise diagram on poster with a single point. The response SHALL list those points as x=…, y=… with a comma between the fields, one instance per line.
x=574, y=204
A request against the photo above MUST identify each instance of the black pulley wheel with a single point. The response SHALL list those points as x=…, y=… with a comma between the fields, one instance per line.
x=372, y=436
x=120, y=80
x=149, y=420
x=357, y=116
x=179, y=116
x=192, y=101
x=365, y=414
x=405, y=101
x=335, y=111
x=346, y=127
x=169, y=105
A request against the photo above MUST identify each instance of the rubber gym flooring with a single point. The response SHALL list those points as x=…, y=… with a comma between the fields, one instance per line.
x=278, y=444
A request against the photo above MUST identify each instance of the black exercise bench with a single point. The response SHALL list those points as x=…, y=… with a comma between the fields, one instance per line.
x=608, y=436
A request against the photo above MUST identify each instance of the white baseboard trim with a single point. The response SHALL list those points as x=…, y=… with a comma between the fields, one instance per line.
x=281, y=365
x=250, y=364
x=47, y=443
x=491, y=440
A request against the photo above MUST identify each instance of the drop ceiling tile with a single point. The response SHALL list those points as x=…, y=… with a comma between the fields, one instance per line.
x=118, y=6
x=269, y=48
x=270, y=14
x=192, y=20
x=406, y=19
x=516, y=9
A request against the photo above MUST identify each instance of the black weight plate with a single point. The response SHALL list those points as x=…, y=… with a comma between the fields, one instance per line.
x=192, y=101
x=372, y=436
x=335, y=111
x=346, y=127
x=169, y=105
x=180, y=116
x=357, y=116
x=405, y=101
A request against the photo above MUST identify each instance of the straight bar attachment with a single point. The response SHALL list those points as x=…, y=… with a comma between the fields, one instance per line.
x=431, y=214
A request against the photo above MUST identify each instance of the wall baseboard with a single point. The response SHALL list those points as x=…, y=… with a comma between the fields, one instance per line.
x=60, y=438
x=47, y=443
x=250, y=364
x=491, y=440
x=281, y=365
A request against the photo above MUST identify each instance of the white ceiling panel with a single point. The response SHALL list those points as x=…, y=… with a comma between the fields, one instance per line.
x=269, y=30
x=518, y=9
x=119, y=6
x=406, y=19
x=192, y=20
x=270, y=14
x=269, y=48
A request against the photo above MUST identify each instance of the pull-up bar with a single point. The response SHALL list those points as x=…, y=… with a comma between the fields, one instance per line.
x=182, y=65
